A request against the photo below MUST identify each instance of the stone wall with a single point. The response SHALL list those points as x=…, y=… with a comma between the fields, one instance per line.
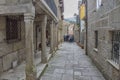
x=76, y=34
x=37, y=36
x=104, y=20
x=10, y=52
x=82, y=38
x=14, y=1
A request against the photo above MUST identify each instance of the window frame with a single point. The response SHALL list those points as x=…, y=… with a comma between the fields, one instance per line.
x=96, y=39
x=98, y=4
x=115, y=37
x=15, y=22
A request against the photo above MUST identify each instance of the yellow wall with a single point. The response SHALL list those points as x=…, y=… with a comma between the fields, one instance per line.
x=82, y=11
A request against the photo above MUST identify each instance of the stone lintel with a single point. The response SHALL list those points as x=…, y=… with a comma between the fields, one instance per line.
x=17, y=9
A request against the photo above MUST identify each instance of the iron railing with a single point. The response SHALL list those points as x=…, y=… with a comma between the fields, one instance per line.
x=115, y=46
x=52, y=6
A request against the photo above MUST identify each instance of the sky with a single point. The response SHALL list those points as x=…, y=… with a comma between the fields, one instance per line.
x=70, y=7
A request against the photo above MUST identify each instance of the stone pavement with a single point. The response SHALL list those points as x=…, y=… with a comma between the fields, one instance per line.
x=18, y=73
x=70, y=63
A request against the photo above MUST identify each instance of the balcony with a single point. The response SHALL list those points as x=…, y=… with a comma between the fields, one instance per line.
x=52, y=6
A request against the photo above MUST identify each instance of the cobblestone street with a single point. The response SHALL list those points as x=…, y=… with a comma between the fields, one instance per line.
x=70, y=63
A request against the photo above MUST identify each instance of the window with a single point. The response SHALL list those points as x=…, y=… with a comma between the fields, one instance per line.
x=115, y=46
x=98, y=3
x=13, y=28
x=96, y=39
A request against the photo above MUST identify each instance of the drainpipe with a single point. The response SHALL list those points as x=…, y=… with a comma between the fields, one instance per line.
x=86, y=25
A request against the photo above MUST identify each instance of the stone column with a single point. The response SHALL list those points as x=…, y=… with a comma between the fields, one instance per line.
x=30, y=67
x=119, y=66
x=51, y=38
x=57, y=36
x=62, y=31
x=59, y=32
x=43, y=26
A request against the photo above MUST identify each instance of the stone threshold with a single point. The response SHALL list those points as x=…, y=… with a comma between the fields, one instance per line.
x=115, y=65
x=19, y=72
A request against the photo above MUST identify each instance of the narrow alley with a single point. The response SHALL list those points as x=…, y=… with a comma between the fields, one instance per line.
x=70, y=63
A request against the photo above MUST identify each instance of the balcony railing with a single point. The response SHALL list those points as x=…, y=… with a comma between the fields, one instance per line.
x=52, y=6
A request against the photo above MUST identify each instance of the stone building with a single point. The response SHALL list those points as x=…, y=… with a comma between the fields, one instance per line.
x=65, y=28
x=77, y=28
x=30, y=30
x=76, y=33
x=81, y=22
x=104, y=36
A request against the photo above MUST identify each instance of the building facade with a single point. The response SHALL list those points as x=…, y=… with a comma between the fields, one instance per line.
x=104, y=36
x=28, y=29
x=65, y=28
x=81, y=10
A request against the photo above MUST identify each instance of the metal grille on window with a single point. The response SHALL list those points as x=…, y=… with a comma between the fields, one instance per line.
x=13, y=28
x=115, y=46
